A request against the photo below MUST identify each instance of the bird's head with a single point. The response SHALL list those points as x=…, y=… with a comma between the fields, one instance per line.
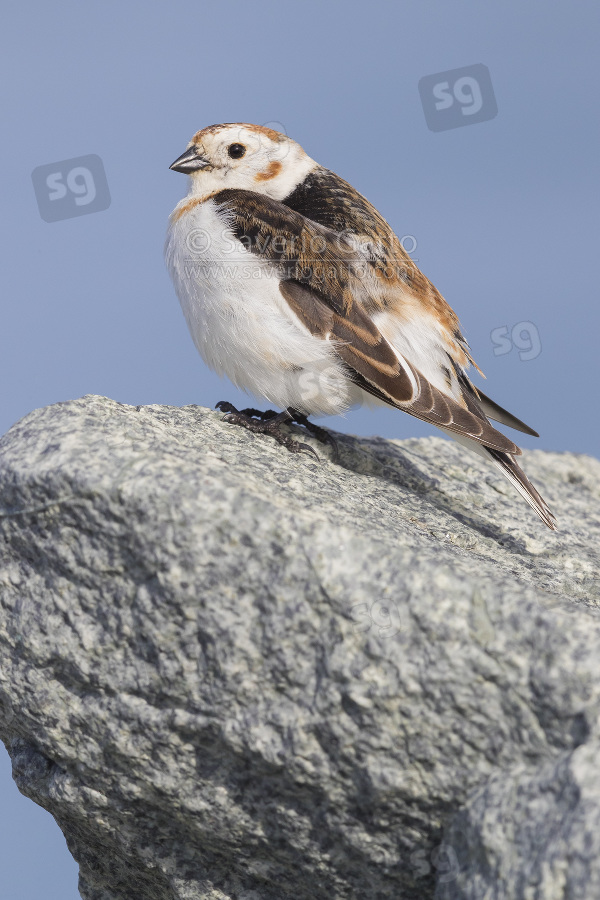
x=247, y=157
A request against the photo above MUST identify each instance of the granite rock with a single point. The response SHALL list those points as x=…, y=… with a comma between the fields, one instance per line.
x=234, y=673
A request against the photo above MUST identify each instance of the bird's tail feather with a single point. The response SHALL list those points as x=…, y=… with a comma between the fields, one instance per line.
x=509, y=468
x=521, y=482
x=496, y=412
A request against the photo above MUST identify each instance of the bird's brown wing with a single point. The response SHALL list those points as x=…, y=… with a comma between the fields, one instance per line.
x=327, y=199
x=321, y=281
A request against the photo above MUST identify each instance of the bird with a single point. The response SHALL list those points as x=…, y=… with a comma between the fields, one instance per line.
x=298, y=290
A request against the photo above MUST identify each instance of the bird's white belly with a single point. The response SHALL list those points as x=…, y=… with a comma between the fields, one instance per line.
x=241, y=324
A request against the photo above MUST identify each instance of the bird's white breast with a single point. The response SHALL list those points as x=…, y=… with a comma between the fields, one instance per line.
x=239, y=321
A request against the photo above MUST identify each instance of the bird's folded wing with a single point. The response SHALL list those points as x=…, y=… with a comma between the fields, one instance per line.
x=321, y=282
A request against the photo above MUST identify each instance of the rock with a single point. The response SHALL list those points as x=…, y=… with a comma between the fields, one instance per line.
x=232, y=672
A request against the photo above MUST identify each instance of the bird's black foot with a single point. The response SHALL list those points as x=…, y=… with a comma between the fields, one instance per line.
x=321, y=434
x=265, y=423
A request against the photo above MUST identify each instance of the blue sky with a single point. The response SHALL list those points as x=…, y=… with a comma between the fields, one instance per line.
x=504, y=211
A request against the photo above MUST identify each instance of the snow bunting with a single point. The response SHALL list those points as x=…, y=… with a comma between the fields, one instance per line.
x=297, y=289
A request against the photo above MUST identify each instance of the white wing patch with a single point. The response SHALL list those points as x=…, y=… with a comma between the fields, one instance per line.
x=424, y=344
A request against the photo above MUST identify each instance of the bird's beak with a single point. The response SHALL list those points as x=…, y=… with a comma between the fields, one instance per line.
x=190, y=161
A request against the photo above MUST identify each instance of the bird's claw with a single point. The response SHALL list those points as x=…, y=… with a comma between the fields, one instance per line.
x=265, y=423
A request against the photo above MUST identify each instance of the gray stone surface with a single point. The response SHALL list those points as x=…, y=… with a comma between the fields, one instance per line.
x=230, y=672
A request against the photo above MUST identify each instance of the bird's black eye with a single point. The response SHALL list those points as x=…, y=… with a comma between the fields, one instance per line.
x=236, y=151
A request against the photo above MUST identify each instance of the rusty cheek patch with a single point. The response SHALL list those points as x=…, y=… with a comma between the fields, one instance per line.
x=273, y=169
